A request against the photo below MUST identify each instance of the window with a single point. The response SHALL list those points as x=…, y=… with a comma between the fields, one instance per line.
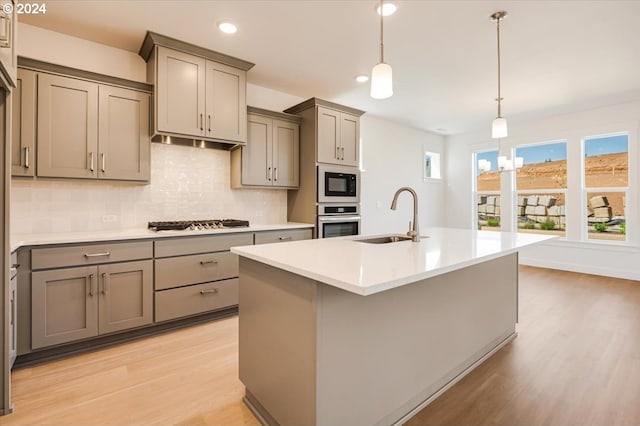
x=431, y=165
x=487, y=191
x=606, y=186
x=541, y=187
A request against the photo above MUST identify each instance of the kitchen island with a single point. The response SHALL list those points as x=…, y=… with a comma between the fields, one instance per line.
x=342, y=331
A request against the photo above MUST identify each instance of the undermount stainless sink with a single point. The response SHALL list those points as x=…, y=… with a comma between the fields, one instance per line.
x=384, y=239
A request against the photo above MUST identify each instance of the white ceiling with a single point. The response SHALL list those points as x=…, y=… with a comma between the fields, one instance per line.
x=557, y=56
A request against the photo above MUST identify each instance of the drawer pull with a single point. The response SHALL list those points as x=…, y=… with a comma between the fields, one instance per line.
x=15, y=266
x=89, y=255
x=285, y=238
x=212, y=291
x=208, y=262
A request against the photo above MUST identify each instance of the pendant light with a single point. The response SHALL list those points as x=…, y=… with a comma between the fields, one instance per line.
x=381, y=74
x=499, y=125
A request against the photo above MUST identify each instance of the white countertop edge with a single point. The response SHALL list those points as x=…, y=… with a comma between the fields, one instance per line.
x=24, y=240
x=374, y=288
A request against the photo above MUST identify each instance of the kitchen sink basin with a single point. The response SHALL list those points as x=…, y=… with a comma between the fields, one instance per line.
x=385, y=239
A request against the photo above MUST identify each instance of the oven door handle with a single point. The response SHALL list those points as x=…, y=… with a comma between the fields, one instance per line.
x=338, y=218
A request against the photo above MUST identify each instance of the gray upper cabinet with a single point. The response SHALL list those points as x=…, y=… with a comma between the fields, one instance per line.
x=23, y=137
x=8, y=48
x=90, y=130
x=180, y=93
x=271, y=157
x=226, y=102
x=123, y=137
x=338, y=137
x=67, y=127
x=332, y=130
x=199, y=93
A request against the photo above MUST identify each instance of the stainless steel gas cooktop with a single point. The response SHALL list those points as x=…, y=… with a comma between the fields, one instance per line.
x=193, y=225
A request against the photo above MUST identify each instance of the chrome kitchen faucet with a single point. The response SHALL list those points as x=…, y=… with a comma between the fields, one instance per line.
x=414, y=232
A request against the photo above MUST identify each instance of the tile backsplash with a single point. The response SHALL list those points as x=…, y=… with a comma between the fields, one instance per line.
x=186, y=183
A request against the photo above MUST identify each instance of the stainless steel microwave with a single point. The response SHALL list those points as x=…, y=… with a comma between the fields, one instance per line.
x=338, y=184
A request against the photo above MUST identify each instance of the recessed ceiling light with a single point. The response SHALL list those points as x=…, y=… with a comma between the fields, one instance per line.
x=227, y=27
x=388, y=8
x=362, y=78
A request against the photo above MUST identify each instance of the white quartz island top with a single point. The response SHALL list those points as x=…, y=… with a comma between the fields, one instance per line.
x=18, y=241
x=365, y=268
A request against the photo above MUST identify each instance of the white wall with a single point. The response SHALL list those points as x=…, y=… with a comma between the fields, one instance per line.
x=392, y=158
x=570, y=254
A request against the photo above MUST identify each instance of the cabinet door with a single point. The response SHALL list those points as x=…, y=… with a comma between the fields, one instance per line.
x=123, y=142
x=64, y=306
x=349, y=139
x=126, y=295
x=180, y=90
x=23, y=138
x=8, y=52
x=226, y=103
x=257, y=155
x=328, y=136
x=286, y=143
x=67, y=127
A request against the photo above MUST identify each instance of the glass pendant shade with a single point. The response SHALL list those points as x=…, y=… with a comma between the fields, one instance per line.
x=484, y=165
x=499, y=128
x=381, y=81
x=519, y=162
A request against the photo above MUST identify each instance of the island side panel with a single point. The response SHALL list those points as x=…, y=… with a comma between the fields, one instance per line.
x=277, y=342
x=380, y=356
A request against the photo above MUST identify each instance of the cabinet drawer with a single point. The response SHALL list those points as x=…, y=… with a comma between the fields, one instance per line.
x=200, y=268
x=195, y=299
x=203, y=244
x=282, y=236
x=89, y=254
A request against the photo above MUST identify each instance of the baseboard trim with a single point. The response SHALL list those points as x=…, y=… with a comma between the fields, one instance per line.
x=585, y=269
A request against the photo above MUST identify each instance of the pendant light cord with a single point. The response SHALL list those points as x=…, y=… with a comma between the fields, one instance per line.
x=499, y=97
x=381, y=32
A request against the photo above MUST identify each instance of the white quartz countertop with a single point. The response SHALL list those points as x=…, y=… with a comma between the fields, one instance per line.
x=18, y=241
x=365, y=269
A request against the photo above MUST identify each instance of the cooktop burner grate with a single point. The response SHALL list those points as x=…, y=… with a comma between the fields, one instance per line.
x=192, y=225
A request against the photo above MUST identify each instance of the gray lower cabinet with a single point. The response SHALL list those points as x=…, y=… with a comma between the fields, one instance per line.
x=282, y=236
x=13, y=310
x=196, y=275
x=77, y=303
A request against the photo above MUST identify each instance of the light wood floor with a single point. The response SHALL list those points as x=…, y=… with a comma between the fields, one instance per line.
x=576, y=361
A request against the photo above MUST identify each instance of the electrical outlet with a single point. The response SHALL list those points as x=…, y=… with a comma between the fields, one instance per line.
x=110, y=218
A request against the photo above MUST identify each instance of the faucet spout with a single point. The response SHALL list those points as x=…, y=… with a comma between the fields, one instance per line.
x=414, y=232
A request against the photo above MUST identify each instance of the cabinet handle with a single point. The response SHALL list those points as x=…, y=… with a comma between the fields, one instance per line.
x=212, y=291
x=106, y=253
x=91, y=282
x=201, y=126
x=337, y=152
x=209, y=262
x=13, y=309
x=91, y=161
x=342, y=156
x=104, y=161
x=285, y=238
x=15, y=266
x=269, y=174
x=105, y=283
x=209, y=117
x=275, y=169
x=26, y=157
